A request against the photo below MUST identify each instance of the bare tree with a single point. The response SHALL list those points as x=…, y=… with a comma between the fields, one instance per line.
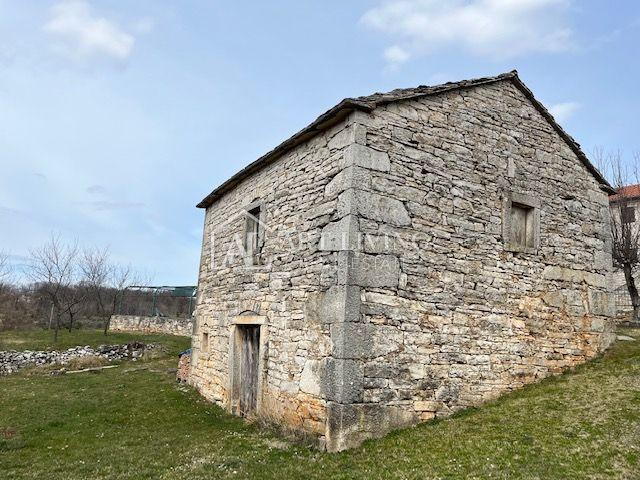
x=108, y=282
x=4, y=265
x=54, y=268
x=120, y=277
x=65, y=282
x=73, y=299
x=5, y=272
x=96, y=272
x=625, y=227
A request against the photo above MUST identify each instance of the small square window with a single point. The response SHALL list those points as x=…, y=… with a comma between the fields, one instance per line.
x=521, y=223
x=252, y=240
x=522, y=226
x=205, y=342
x=628, y=214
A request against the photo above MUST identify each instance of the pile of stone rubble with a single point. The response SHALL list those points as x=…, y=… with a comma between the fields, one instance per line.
x=11, y=361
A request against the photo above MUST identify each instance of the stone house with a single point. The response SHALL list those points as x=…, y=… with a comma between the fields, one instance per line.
x=405, y=256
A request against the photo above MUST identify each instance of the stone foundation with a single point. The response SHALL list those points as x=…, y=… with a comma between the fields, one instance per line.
x=184, y=364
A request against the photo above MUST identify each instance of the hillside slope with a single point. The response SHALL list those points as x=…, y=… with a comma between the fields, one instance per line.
x=135, y=422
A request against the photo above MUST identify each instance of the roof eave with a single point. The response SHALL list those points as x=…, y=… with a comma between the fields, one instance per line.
x=324, y=121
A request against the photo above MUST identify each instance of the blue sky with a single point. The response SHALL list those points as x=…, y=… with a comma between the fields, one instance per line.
x=118, y=117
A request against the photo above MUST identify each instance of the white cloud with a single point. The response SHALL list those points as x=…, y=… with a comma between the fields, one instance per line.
x=396, y=55
x=81, y=35
x=494, y=28
x=562, y=111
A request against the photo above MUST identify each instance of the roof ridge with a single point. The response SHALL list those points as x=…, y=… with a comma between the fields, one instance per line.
x=396, y=94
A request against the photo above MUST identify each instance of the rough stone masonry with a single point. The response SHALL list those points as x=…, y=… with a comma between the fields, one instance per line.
x=156, y=324
x=405, y=256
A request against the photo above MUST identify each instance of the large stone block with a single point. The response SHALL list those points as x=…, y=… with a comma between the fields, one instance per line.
x=350, y=177
x=349, y=425
x=341, y=235
x=373, y=206
x=378, y=271
x=354, y=133
x=366, y=157
x=343, y=380
x=340, y=303
x=352, y=340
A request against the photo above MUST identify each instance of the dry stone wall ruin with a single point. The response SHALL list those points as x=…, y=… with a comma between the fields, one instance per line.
x=145, y=324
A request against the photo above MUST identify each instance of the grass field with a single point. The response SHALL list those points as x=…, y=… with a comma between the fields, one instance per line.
x=135, y=422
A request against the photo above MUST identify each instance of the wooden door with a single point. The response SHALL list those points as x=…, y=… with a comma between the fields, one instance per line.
x=249, y=362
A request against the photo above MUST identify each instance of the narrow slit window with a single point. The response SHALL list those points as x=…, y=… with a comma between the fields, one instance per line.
x=252, y=235
x=205, y=342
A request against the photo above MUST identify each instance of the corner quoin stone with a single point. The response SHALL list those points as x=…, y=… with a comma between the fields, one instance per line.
x=364, y=270
x=365, y=157
x=373, y=206
x=350, y=177
x=340, y=303
x=341, y=235
x=343, y=380
x=351, y=340
x=349, y=425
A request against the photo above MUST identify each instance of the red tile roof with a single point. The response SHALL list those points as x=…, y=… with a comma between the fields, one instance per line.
x=628, y=191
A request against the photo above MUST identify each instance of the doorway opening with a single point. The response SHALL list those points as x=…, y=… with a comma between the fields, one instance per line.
x=248, y=356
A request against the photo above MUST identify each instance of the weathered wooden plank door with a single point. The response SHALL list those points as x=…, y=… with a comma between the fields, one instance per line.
x=249, y=361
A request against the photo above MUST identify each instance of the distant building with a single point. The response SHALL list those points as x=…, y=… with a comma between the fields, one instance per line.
x=627, y=199
x=406, y=255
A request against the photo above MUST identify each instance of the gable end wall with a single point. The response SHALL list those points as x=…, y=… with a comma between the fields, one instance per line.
x=453, y=316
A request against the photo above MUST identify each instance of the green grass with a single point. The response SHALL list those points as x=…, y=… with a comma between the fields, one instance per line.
x=138, y=423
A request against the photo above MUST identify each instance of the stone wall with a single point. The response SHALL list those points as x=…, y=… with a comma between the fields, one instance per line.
x=12, y=361
x=166, y=325
x=276, y=294
x=449, y=314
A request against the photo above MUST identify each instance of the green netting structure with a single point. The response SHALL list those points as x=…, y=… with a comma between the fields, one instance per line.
x=158, y=301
